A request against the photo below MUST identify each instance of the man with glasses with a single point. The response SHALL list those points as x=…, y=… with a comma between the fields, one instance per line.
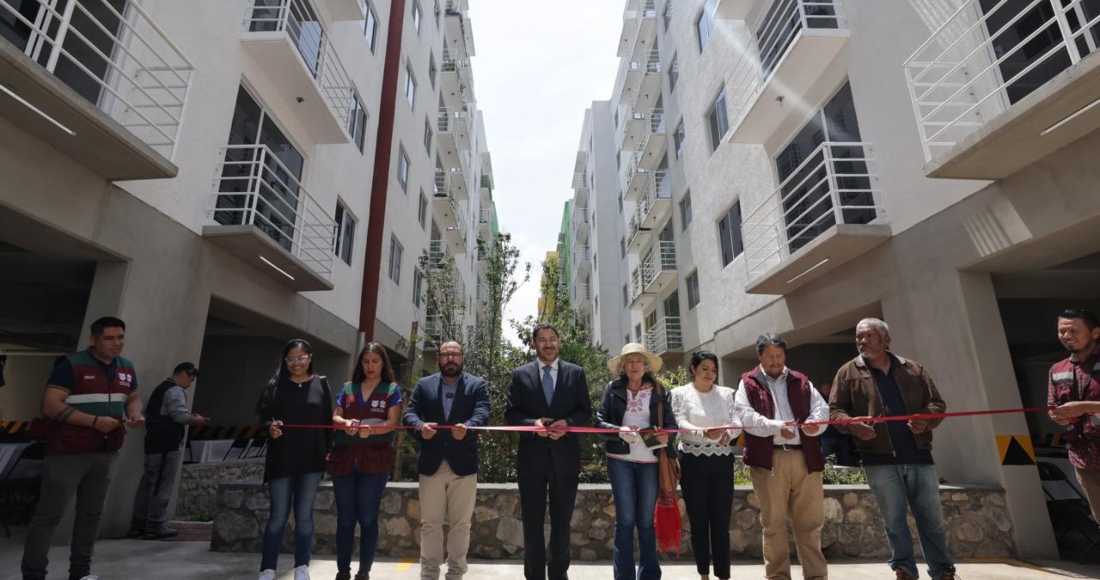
x=547, y=393
x=447, y=462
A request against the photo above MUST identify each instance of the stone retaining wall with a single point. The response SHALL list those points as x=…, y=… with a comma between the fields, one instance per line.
x=977, y=522
x=199, y=482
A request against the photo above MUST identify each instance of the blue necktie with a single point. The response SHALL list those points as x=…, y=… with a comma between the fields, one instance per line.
x=547, y=384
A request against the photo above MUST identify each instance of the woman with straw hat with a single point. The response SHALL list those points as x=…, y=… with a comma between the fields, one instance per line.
x=635, y=402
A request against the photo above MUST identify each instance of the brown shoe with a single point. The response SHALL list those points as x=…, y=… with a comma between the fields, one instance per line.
x=949, y=575
x=903, y=575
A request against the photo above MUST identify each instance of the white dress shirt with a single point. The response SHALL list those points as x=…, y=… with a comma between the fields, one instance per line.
x=756, y=424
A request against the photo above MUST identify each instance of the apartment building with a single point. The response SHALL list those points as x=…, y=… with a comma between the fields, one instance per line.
x=206, y=170
x=596, y=228
x=794, y=166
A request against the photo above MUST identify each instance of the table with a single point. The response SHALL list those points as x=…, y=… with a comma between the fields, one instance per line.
x=212, y=450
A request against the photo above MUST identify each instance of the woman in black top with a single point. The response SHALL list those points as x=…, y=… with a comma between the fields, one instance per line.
x=295, y=457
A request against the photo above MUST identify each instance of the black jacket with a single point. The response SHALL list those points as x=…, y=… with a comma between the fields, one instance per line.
x=470, y=407
x=526, y=403
x=613, y=407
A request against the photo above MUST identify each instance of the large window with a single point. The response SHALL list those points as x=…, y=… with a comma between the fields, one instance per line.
x=678, y=139
x=673, y=73
x=685, y=211
x=705, y=24
x=410, y=85
x=403, y=169
x=729, y=234
x=422, y=210
x=428, y=137
x=357, y=123
x=668, y=14
x=396, y=251
x=370, y=27
x=431, y=70
x=416, y=15
x=693, y=289
x=718, y=120
x=345, y=233
x=418, y=281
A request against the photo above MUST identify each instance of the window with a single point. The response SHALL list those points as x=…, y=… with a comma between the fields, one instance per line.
x=403, y=169
x=594, y=267
x=370, y=27
x=410, y=85
x=428, y=137
x=673, y=73
x=638, y=332
x=416, y=16
x=596, y=300
x=357, y=123
x=626, y=301
x=418, y=280
x=395, y=260
x=668, y=14
x=345, y=233
x=685, y=211
x=678, y=139
x=705, y=24
x=422, y=210
x=729, y=234
x=438, y=17
x=693, y=290
x=622, y=247
x=431, y=70
x=718, y=120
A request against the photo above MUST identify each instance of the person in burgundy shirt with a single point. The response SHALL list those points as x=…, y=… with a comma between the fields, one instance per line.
x=1074, y=392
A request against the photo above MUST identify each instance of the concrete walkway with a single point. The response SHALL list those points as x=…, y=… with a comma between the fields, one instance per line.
x=141, y=560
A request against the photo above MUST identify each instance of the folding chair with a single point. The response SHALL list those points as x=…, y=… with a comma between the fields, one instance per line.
x=242, y=443
x=19, y=488
x=1069, y=509
x=187, y=446
x=259, y=445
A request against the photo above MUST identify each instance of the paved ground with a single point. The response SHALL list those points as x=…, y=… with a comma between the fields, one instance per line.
x=140, y=560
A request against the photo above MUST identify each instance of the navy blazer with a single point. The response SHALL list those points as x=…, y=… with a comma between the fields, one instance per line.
x=470, y=407
x=526, y=403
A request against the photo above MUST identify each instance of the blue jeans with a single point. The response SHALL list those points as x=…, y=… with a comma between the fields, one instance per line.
x=299, y=491
x=895, y=487
x=634, y=486
x=358, y=497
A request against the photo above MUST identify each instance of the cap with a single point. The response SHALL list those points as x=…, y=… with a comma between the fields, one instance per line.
x=187, y=367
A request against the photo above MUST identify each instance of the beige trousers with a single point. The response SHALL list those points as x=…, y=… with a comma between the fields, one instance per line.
x=787, y=489
x=1090, y=484
x=445, y=497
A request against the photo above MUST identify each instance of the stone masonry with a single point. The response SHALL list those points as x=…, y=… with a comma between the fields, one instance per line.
x=199, y=482
x=977, y=522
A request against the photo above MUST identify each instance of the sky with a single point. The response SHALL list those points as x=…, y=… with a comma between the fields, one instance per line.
x=537, y=67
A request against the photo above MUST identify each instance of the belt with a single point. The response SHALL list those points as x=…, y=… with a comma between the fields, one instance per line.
x=788, y=447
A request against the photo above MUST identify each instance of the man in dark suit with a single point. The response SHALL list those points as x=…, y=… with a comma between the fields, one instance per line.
x=548, y=393
x=447, y=462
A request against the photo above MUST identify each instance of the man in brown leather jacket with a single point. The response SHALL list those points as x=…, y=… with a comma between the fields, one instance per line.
x=897, y=455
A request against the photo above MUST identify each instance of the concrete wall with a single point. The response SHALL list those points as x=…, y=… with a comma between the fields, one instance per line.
x=21, y=398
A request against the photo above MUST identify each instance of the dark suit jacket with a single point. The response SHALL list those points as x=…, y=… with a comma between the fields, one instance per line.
x=526, y=403
x=470, y=407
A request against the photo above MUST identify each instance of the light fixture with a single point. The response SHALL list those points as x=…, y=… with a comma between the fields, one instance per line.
x=26, y=104
x=1071, y=117
x=278, y=269
x=808, y=270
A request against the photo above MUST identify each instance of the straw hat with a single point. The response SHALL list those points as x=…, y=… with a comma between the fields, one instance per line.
x=654, y=361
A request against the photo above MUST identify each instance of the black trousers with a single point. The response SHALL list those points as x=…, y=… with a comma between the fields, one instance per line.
x=707, y=483
x=534, y=489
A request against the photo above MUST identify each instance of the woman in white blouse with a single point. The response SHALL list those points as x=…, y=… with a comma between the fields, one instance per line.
x=706, y=410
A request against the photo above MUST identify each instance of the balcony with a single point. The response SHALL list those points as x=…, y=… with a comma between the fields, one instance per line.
x=665, y=336
x=652, y=212
x=580, y=168
x=453, y=132
x=485, y=225
x=999, y=87
x=736, y=9
x=288, y=43
x=655, y=274
x=639, y=28
x=642, y=80
x=636, y=177
x=437, y=254
x=644, y=131
x=582, y=257
x=459, y=31
x=448, y=216
x=105, y=88
x=583, y=294
x=450, y=183
x=482, y=293
x=580, y=223
x=456, y=79
x=263, y=215
x=345, y=9
x=800, y=61
x=822, y=216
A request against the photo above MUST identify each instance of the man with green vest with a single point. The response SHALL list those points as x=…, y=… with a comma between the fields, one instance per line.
x=88, y=397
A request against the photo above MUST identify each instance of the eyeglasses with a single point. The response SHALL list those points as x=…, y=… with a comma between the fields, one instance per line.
x=450, y=355
x=300, y=358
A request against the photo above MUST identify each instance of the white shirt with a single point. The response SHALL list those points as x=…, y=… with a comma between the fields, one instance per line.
x=637, y=415
x=756, y=424
x=699, y=411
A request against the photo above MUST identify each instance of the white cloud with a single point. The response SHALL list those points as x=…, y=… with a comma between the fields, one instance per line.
x=539, y=65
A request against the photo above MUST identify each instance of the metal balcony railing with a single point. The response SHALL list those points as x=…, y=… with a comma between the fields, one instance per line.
x=664, y=336
x=442, y=185
x=584, y=292
x=121, y=62
x=782, y=23
x=661, y=257
x=485, y=216
x=254, y=188
x=299, y=19
x=988, y=56
x=651, y=64
x=659, y=187
x=482, y=292
x=835, y=184
x=582, y=255
x=437, y=252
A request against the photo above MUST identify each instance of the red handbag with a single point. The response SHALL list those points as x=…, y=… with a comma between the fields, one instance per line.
x=666, y=514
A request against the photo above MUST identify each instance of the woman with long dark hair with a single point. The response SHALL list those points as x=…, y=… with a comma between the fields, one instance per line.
x=631, y=403
x=368, y=408
x=295, y=456
x=706, y=462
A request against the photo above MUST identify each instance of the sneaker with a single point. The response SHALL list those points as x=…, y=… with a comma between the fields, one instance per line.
x=301, y=573
x=268, y=574
x=161, y=533
x=903, y=575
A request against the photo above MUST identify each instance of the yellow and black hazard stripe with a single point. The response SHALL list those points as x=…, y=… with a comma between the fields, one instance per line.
x=14, y=428
x=1049, y=439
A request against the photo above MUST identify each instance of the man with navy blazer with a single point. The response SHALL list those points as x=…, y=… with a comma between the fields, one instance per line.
x=547, y=393
x=447, y=462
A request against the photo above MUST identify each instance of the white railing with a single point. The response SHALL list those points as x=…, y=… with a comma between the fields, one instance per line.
x=664, y=336
x=482, y=292
x=583, y=255
x=652, y=63
x=584, y=292
x=437, y=252
x=653, y=121
x=452, y=63
x=300, y=21
x=123, y=63
x=659, y=187
x=835, y=184
x=447, y=119
x=485, y=217
x=442, y=185
x=660, y=258
x=253, y=187
x=784, y=20
x=981, y=61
